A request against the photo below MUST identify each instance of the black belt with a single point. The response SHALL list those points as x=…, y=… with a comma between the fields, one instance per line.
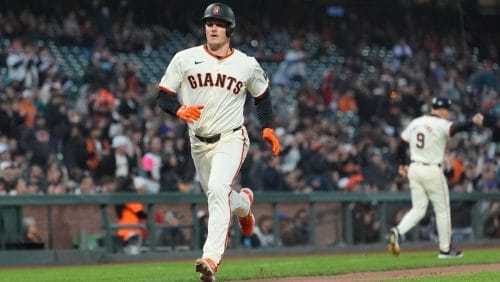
x=214, y=138
x=439, y=165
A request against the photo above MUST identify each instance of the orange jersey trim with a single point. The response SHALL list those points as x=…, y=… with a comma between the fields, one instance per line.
x=166, y=90
x=231, y=52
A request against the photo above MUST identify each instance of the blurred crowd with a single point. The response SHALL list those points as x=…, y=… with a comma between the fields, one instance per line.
x=340, y=134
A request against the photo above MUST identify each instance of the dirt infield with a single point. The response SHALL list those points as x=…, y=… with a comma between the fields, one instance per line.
x=394, y=274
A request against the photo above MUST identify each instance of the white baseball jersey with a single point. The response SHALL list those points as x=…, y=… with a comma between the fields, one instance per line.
x=200, y=78
x=220, y=85
x=427, y=136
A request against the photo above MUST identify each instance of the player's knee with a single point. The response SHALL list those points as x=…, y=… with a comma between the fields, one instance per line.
x=217, y=189
x=420, y=212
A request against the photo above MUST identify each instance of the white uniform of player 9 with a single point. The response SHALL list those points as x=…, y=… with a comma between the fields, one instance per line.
x=427, y=137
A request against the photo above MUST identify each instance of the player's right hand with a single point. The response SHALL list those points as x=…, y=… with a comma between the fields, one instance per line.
x=478, y=119
x=189, y=114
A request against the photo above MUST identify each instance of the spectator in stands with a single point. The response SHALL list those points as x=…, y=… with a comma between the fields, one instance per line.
x=427, y=228
x=287, y=233
x=57, y=178
x=168, y=176
x=31, y=77
x=56, y=173
x=108, y=185
x=151, y=165
x=36, y=179
x=47, y=67
x=132, y=238
x=492, y=223
x=172, y=235
x=58, y=188
x=488, y=179
x=129, y=106
x=56, y=113
x=9, y=173
x=22, y=188
x=118, y=164
x=377, y=173
x=185, y=165
x=36, y=141
x=328, y=88
x=293, y=67
x=454, y=165
x=73, y=142
x=272, y=179
x=10, y=117
x=96, y=148
x=301, y=225
x=252, y=170
x=86, y=186
x=71, y=28
x=291, y=153
x=102, y=69
x=131, y=213
x=31, y=233
x=366, y=223
x=315, y=166
x=347, y=102
x=264, y=231
x=297, y=183
x=402, y=52
x=22, y=65
x=27, y=108
x=177, y=168
x=5, y=152
x=461, y=220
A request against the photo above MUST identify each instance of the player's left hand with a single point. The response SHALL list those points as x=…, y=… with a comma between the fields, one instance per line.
x=403, y=170
x=270, y=137
x=189, y=114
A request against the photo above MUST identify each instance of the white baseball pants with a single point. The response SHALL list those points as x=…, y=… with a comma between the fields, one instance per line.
x=427, y=182
x=217, y=165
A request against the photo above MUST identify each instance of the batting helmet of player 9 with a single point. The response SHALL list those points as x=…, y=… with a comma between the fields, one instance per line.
x=441, y=103
x=223, y=12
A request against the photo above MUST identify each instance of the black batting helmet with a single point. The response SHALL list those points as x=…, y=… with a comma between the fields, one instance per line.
x=223, y=12
x=441, y=103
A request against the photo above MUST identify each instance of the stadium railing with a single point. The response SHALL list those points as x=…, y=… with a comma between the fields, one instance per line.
x=11, y=211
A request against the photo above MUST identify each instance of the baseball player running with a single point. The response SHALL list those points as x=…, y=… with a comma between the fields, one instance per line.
x=206, y=87
x=427, y=137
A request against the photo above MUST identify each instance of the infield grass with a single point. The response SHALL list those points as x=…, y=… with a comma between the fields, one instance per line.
x=470, y=277
x=252, y=268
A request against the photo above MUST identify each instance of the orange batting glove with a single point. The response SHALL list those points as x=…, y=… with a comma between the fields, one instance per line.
x=189, y=113
x=270, y=137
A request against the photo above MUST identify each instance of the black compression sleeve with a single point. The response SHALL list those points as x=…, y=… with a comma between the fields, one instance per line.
x=402, y=152
x=167, y=102
x=264, y=110
x=462, y=126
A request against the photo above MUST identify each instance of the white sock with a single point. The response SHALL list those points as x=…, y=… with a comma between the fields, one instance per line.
x=240, y=204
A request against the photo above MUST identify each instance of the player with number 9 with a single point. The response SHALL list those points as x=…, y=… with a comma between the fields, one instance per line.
x=426, y=137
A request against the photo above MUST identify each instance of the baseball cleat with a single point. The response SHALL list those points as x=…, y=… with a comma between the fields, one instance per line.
x=207, y=269
x=247, y=222
x=450, y=254
x=392, y=241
